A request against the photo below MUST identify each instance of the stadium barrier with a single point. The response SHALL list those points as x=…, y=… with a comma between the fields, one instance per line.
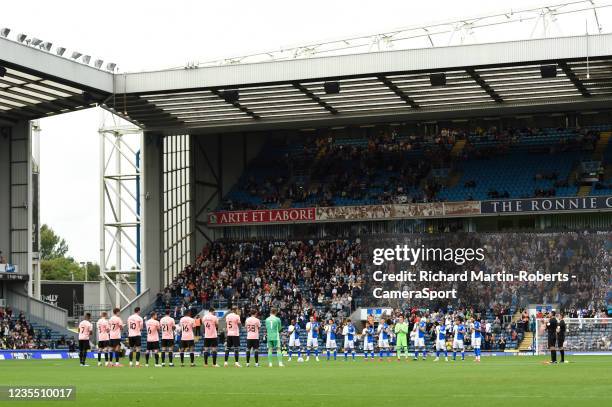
x=25, y=354
x=48, y=354
x=39, y=310
x=8, y=268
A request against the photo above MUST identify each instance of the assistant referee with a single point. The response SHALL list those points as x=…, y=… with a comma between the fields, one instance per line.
x=561, y=329
x=551, y=327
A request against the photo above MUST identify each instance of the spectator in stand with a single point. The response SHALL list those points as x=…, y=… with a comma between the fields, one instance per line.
x=501, y=343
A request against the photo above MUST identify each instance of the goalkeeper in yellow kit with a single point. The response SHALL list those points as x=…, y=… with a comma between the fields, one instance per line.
x=401, y=335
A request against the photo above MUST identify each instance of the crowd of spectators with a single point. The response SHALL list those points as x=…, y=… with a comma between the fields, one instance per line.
x=330, y=277
x=296, y=277
x=17, y=333
x=584, y=257
x=389, y=165
x=503, y=139
x=382, y=170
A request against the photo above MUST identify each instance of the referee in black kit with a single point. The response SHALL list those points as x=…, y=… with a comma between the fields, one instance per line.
x=551, y=327
x=561, y=329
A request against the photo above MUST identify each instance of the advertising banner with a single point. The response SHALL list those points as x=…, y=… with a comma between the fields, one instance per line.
x=62, y=295
x=547, y=205
x=411, y=211
x=292, y=215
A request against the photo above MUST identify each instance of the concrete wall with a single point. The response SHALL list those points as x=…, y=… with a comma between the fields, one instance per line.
x=15, y=196
x=218, y=156
x=5, y=196
x=91, y=292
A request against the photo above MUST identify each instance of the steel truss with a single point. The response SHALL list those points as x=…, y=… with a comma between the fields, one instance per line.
x=120, y=215
x=541, y=21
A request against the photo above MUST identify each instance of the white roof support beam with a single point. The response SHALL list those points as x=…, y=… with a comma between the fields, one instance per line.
x=53, y=65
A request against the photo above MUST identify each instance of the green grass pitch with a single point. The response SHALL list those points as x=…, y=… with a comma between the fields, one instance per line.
x=496, y=381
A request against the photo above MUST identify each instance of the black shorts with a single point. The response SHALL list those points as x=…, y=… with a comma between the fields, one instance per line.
x=134, y=341
x=211, y=342
x=233, y=341
x=187, y=344
x=83, y=344
x=252, y=344
x=153, y=345
x=103, y=344
x=552, y=341
x=115, y=342
x=560, y=340
x=167, y=343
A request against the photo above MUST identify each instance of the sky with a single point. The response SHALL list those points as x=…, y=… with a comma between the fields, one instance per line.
x=149, y=35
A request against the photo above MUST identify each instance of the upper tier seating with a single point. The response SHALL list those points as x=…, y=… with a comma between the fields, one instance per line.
x=387, y=166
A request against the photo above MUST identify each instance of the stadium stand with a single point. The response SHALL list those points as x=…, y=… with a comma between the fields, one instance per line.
x=390, y=164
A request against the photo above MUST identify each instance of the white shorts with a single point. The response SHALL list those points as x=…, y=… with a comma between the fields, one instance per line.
x=312, y=342
x=476, y=342
x=419, y=342
x=457, y=344
x=368, y=346
x=383, y=343
x=441, y=344
x=294, y=342
x=330, y=344
x=349, y=344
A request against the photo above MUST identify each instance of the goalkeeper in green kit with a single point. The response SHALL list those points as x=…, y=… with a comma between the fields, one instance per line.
x=273, y=328
x=401, y=334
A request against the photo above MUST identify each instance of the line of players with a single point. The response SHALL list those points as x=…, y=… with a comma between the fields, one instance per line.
x=109, y=333
x=379, y=336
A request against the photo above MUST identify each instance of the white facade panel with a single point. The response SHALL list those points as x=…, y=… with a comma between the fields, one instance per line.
x=19, y=195
x=19, y=243
x=19, y=218
x=19, y=150
x=376, y=62
x=19, y=173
